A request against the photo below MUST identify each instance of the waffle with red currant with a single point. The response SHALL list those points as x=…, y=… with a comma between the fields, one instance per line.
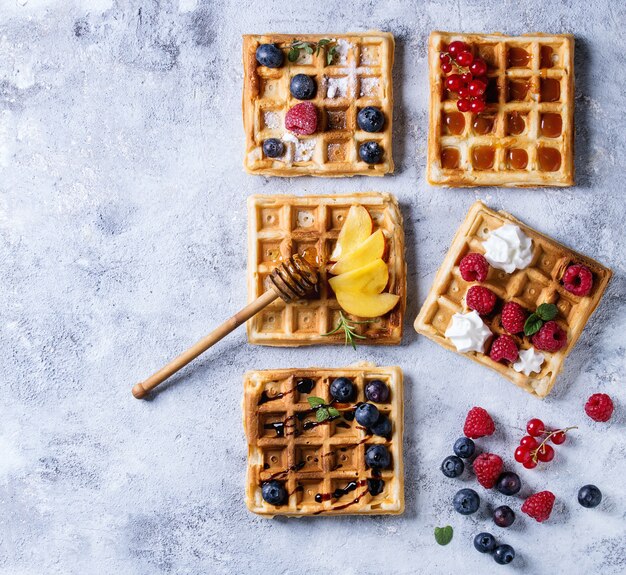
x=324, y=441
x=316, y=105
x=501, y=110
x=538, y=311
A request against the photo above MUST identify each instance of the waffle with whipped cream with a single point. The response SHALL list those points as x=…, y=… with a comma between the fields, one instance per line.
x=280, y=226
x=525, y=136
x=540, y=264
x=357, y=74
x=320, y=467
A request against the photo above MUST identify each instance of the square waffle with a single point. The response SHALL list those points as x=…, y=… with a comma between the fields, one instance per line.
x=325, y=457
x=279, y=226
x=525, y=136
x=539, y=283
x=359, y=76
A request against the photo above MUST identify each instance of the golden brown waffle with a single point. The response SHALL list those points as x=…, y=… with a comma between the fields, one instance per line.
x=539, y=283
x=359, y=76
x=279, y=226
x=324, y=457
x=526, y=102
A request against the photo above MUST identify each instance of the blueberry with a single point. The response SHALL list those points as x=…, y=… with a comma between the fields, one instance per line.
x=485, y=542
x=370, y=119
x=342, y=389
x=504, y=554
x=464, y=447
x=366, y=414
x=273, y=148
x=270, y=56
x=589, y=496
x=377, y=391
x=466, y=501
x=377, y=457
x=452, y=466
x=371, y=152
x=508, y=483
x=382, y=427
x=302, y=87
x=375, y=486
x=503, y=516
x=274, y=492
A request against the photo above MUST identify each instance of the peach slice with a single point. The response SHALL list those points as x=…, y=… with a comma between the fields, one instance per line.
x=355, y=230
x=369, y=279
x=372, y=305
x=371, y=249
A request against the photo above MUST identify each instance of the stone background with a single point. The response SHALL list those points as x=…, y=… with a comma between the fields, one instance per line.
x=122, y=241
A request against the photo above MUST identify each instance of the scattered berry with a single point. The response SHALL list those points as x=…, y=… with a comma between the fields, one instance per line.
x=477, y=106
x=522, y=454
x=558, y=438
x=477, y=88
x=508, y=483
x=503, y=516
x=550, y=337
x=474, y=268
x=454, y=82
x=382, y=427
x=589, y=496
x=371, y=152
x=599, y=407
x=530, y=463
x=342, y=389
x=270, y=55
x=465, y=58
x=478, y=423
x=377, y=391
x=302, y=87
x=545, y=453
x=302, y=119
x=481, y=299
x=452, y=466
x=463, y=105
x=485, y=542
x=529, y=442
x=487, y=467
x=466, y=501
x=503, y=554
x=504, y=347
x=457, y=47
x=366, y=414
x=464, y=447
x=273, y=148
x=478, y=67
x=370, y=119
x=274, y=492
x=513, y=317
x=463, y=92
x=578, y=280
x=539, y=506
x=535, y=427
x=467, y=77
x=446, y=67
x=377, y=457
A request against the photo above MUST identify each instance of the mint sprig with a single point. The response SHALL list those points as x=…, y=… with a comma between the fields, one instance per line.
x=545, y=312
x=312, y=48
x=443, y=535
x=322, y=410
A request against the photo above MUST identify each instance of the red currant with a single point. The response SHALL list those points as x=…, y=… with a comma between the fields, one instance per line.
x=456, y=47
x=465, y=58
x=467, y=77
x=478, y=67
x=529, y=442
x=522, y=454
x=444, y=57
x=530, y=464
x=464, y=92
x=477, y=106
x=446, y=67
x=545, y=453
x=558, y=438
x=454, y=82
x=535, y=427
x=464, y=105
x=477, y=88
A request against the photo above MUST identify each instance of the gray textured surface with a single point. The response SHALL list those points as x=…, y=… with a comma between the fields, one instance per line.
x=122, y=240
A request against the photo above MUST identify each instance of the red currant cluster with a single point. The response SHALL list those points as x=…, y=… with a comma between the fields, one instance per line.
x=534, y=447
x=468, y=79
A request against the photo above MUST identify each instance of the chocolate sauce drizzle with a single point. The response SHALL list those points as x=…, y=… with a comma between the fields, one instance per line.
x=303, y=385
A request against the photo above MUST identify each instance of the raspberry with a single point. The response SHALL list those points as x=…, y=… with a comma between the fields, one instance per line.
x=599, y=407
x=513, y=317
x=302, y=119
x=478, y=423
x=504, y=348
x=539, y=506
x=474, y=268
x=578, y=280
x=487, y=468
x=481, y=299
x=550, y=337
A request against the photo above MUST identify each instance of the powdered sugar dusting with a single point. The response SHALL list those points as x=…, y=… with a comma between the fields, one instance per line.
x=369, y=87
x=271, y=120
x=336, y=87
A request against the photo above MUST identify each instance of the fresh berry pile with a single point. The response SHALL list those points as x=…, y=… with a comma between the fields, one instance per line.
x=578, y=280
x=534, y=447
x=599, y=407
x=465, y=76
x=539, y=506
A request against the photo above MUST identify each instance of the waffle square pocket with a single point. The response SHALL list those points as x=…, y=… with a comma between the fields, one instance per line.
x=553, y=289
x=524, y=136
x=332, y=78
x=303, y=461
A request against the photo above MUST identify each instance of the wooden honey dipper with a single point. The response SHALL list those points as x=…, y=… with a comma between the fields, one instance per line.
x=291, y=280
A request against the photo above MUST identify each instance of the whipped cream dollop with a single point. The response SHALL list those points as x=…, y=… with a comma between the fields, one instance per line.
x=508, y=248
x=468, y=332
x=528, y=361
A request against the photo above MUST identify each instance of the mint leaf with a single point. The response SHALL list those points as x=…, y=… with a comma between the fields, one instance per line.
x=293, y=54
x=334, y=412
x=330, y=55
x=547, y=311
x=321, y=414
x=533, y=324
x=308, y=49
x=443, y=535
x=315, y=401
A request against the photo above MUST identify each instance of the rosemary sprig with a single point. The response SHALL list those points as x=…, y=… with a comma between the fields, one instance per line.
x=312, y=48
x=349, y=329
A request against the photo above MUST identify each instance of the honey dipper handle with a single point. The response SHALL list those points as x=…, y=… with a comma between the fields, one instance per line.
x=142, y=389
